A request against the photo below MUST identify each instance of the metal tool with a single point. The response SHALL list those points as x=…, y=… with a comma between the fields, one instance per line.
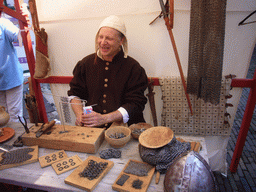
x=30, y=101
x=4, y=149
x=25, y=125
x=18, y=142
x=44, y=128
x=39, y=130
x=151, y=98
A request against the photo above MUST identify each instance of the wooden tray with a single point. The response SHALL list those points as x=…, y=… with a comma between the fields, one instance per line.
x=80, y=139
x=32, y=160
x=52, y=158
x=66, y=164
x=127, y=186
x=82, y=182
x=8, y=133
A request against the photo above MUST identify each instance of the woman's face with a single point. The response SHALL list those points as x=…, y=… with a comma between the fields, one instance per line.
x=109, y=42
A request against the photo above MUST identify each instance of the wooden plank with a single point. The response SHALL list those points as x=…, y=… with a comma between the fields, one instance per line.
x=127, y=186
x=52, y=158
x=32, y=160
x=66, y=164
x=76, y=180
x=195, y=146
x=79, y=139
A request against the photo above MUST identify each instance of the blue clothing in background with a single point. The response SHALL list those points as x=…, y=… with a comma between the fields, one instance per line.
x=11, y=72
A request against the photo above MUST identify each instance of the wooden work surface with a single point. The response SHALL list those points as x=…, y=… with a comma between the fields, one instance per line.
x=80, y=139
x=34, y=176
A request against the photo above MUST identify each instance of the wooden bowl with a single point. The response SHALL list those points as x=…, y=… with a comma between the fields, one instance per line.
x=138, y=126
x=114, y=131
x=156, y=137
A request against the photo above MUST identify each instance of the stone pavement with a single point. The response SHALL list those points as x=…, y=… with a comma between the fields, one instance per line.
x=244, y=180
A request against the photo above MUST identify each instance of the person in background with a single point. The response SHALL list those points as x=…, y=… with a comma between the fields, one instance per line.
x=11, y=72
x=109, y=78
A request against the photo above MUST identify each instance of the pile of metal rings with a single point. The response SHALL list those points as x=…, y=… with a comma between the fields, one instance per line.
x=93, y=169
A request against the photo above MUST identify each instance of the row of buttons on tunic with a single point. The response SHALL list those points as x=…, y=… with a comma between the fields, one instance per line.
x=105, y=85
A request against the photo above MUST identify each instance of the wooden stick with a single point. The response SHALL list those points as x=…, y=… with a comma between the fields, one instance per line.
x=197, y=147
x=169, y=25
x=179, y=64
x=157, y=177
x=193, y=145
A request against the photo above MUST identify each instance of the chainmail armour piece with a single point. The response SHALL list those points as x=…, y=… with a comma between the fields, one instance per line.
x=122, y=179
x=16, y=156
x=139, y=169
x=110, y=153
x=93, y=169
x=65, y=109
x=137, y=184
x=164, y=156
x=206, y=47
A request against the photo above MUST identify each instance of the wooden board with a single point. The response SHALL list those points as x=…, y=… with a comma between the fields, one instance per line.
x=195, y=146
x=32, y=160
x=7, y=133
x=66, y=164
x=127, y=186
x=80, y=139
x=82, y=182
x=52, y=158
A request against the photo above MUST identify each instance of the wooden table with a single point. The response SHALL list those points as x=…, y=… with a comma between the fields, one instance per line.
x=33, y=176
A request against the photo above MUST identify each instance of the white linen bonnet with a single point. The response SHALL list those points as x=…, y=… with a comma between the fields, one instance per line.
x=115, y=23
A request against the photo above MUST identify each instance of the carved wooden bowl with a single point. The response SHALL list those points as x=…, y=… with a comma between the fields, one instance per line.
x=138, y=128
x=112, y=133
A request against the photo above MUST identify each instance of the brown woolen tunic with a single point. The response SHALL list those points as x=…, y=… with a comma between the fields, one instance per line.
x=110, y=85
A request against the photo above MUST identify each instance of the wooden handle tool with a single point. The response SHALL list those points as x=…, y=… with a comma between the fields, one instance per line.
x=157, y=177
x=45, y=128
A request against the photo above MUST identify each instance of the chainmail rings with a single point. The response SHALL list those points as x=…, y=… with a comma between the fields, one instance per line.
x=164, y=156
x=16, y=156
x=139, y=169
x=110, y=153
x=93, y=169
x=206, y=48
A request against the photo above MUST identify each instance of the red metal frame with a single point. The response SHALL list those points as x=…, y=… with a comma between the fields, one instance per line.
x=248, y=113
x=67, y=79
x=29, y=54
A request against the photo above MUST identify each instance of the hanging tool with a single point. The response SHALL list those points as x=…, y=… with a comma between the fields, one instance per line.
x=44, y=128
x=25, y=125
x=31, y=106
x=152, y=101
x=168, y=9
